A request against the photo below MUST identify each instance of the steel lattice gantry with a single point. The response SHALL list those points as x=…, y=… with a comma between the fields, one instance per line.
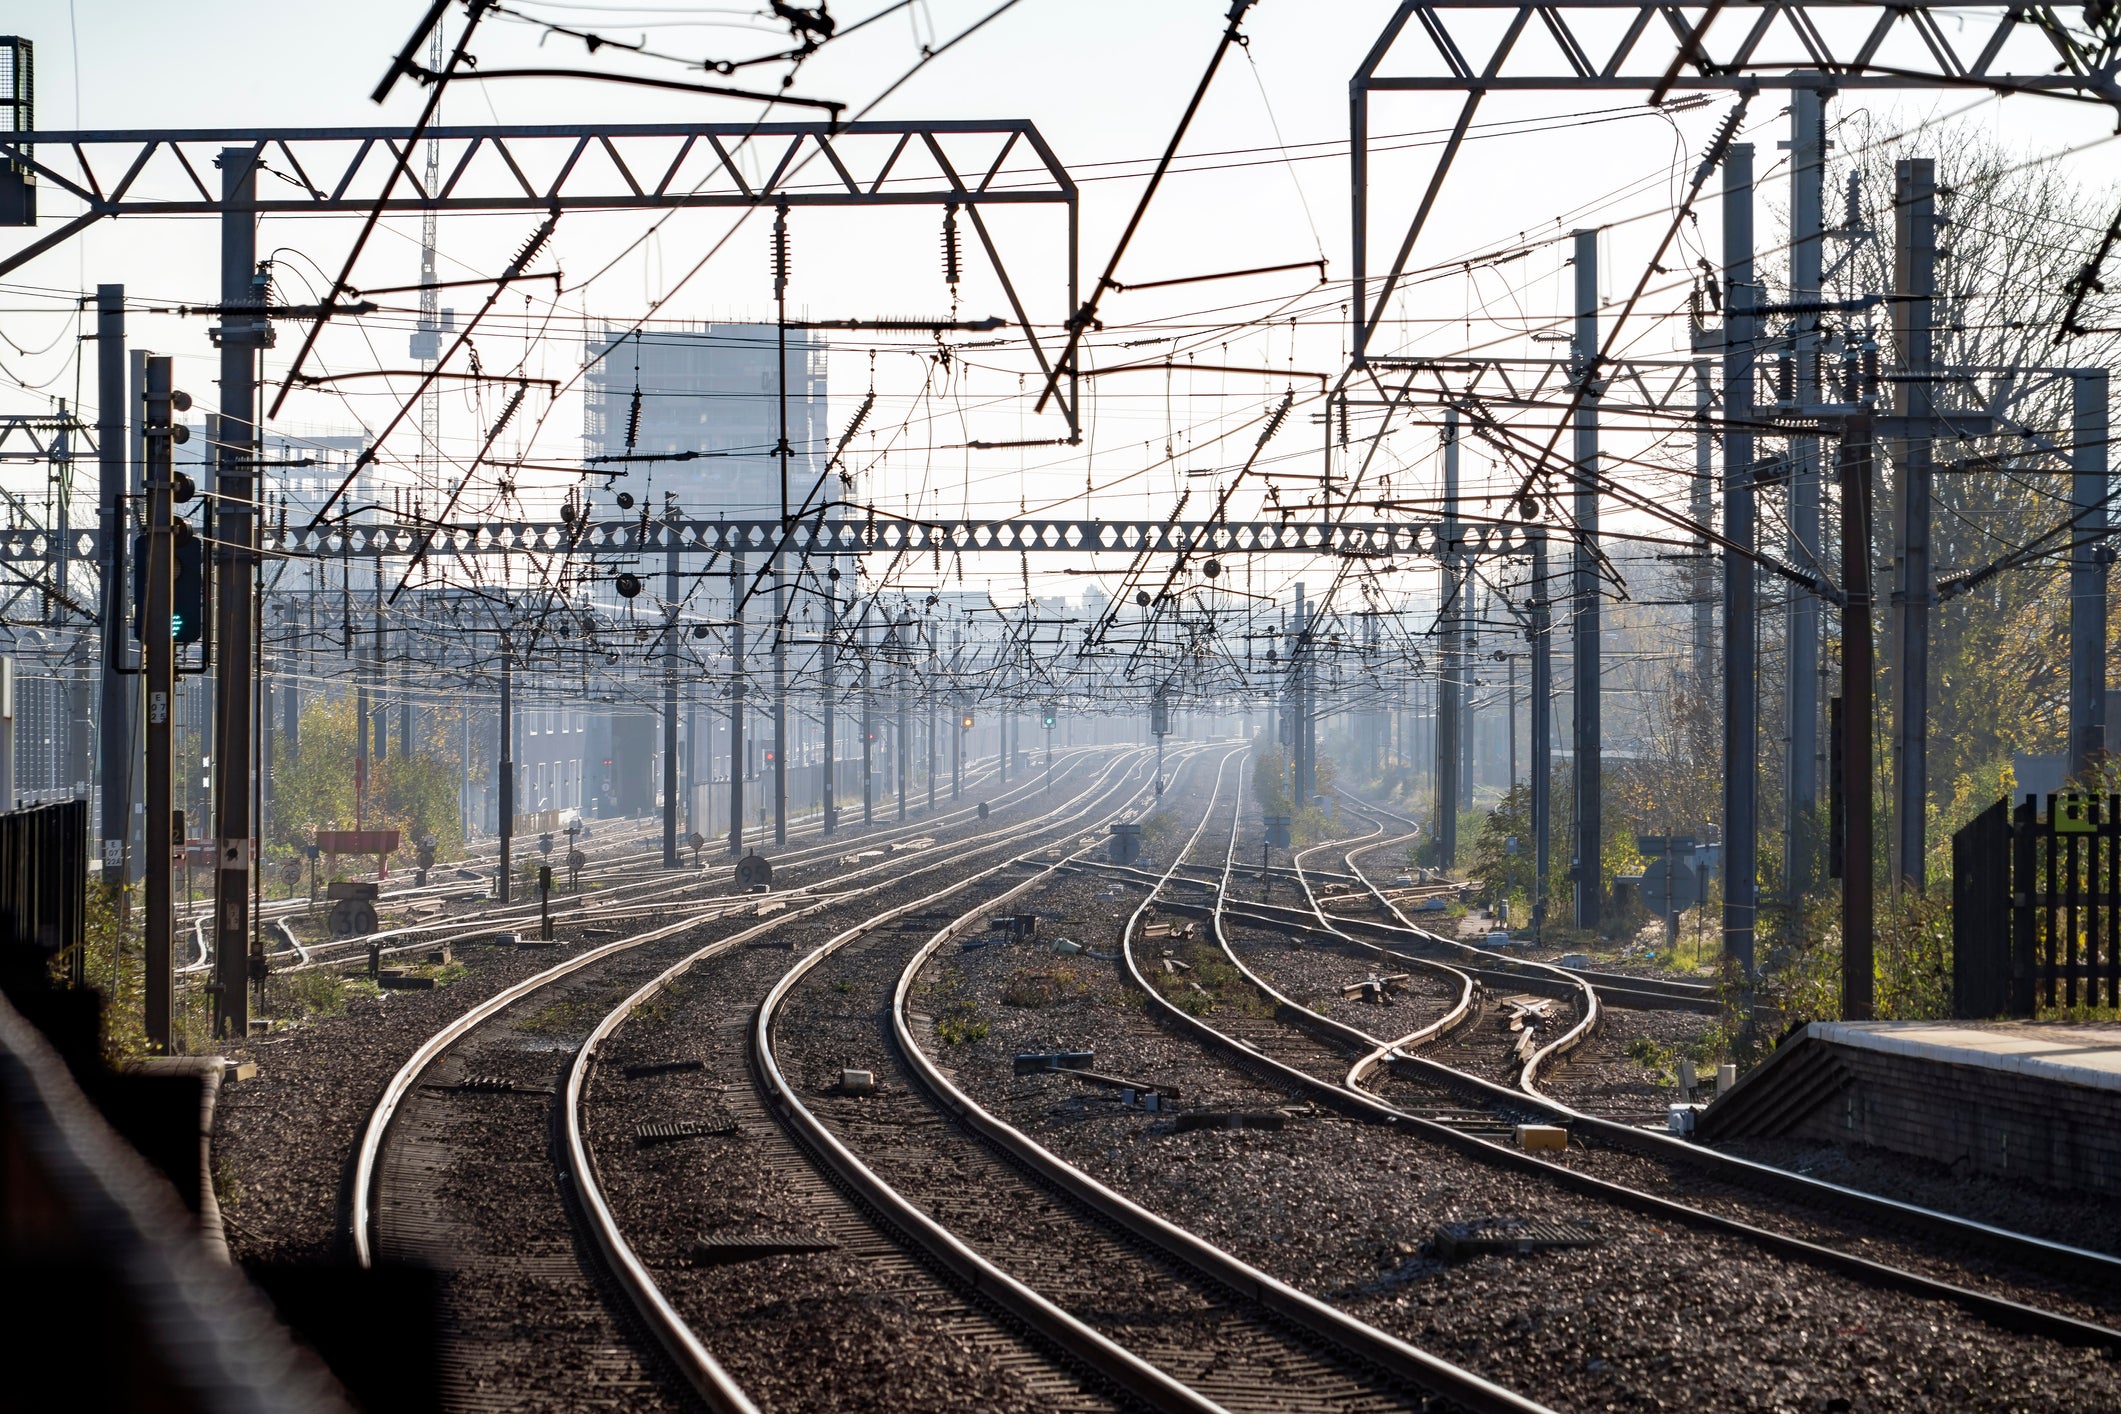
x=971, y=163
x=1481, y=47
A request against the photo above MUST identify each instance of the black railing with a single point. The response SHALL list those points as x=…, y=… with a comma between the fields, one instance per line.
x=44, y=879
x=2036, y=906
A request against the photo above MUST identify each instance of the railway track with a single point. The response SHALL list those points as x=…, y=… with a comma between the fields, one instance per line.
x=1443, y=1102
x=1225, y=1332
x=459, y=1158
x=643, y=895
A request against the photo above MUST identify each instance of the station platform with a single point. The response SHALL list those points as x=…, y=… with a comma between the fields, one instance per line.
x=2038, y=1101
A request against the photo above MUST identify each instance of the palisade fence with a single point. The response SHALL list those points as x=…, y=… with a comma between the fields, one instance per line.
x=44, y=880
x=2036, y=906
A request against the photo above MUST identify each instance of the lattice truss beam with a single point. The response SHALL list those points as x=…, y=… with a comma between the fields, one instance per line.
x=1498, y=45
x=975, y=164
x=604, y=166
x=35, y=438
x=1662, y=393
x=1477, y=48
x=834, y=539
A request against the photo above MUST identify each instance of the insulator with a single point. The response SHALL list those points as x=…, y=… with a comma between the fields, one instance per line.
x=532, y=246
x=780, y=252
x=1870, y=367
x=1785, y=379
x=633, y=420
x=951, y=271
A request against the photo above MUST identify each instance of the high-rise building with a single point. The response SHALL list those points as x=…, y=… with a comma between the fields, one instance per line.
x=709, y=389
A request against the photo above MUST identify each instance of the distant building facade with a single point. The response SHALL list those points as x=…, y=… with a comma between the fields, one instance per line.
x=711, y=389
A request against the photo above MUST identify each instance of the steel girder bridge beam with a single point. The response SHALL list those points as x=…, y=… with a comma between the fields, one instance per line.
x=1475, y=48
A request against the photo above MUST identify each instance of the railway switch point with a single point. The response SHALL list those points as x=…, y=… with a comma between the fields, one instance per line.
x=1537, y=1138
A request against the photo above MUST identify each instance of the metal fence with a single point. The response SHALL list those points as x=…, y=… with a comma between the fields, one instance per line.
x=2036, y=906
x=44, y=878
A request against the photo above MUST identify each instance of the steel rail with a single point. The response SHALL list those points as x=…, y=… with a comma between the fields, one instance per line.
x=2033, y=1253
x=1374, y=1051
x=713, y=1383
x=582, y=908
x=368, y=1155
x=1587, y=1001
x=1998, y=1311
x=1125, y=1369
x=1404, y=1361
x=693, y=1360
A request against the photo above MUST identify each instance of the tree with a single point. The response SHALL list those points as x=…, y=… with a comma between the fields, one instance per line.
x=416, y=794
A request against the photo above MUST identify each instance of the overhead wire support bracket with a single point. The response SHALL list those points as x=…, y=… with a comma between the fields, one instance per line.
x=1083, y=319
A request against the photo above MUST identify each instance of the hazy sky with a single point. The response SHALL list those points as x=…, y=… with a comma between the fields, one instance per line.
x=1104, y=82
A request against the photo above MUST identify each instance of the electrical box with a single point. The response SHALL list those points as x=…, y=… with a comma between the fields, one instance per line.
x=1126, y=846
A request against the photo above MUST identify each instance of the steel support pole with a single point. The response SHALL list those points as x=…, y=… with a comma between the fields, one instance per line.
x=504, y=771
x=243, y=332
x=1468, y=680
x=1701, y=506
x=1807, y=147
x=136, y=482
x=1588, y=660
x=1914, y=288
x=1741, y=705
x=828, y=665
x=780, y=703
x=2087, y=571
x=671, y=857
x=159, y=658
x=1307, y=700
x=115, y=747
x=1451, y=669
x=379, y=673
x=1542, y=643
x=903, y=767
x=1857, y=670
x=736, y=706
x=868, y=731
x=1300, y=708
